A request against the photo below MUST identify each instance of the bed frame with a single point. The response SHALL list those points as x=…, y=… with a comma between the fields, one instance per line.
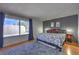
x=51, y=44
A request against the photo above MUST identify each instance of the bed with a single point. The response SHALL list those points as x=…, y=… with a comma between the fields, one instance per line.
x=54, y=40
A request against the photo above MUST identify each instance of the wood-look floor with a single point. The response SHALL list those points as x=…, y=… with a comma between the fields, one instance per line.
x=69, y=49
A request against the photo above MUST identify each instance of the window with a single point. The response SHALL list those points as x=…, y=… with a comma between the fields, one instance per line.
x=11, y=27
x=15, y=26
x=24, y=27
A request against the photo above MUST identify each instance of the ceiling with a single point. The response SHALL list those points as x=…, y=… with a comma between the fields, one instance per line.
x=44, y=11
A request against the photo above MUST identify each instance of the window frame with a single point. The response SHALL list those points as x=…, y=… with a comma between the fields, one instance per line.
x=16, y=18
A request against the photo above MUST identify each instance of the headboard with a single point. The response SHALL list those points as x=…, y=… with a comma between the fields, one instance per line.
x=56, y=31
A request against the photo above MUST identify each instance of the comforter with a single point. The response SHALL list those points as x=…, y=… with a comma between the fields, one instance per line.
x=54, y=38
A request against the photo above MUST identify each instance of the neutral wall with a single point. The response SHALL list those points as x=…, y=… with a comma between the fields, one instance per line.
x=14, y=39
x=37, y=27
x=69, y=22
x=78, y=27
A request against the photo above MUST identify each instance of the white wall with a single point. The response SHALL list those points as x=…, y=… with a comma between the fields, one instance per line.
x=14, y=39
x=37, y=27
x=78, y=27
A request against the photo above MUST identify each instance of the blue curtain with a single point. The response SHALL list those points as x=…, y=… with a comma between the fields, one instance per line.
x=2, y=16
x=30, y=30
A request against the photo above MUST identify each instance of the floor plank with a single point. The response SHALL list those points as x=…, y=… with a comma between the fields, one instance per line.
x=71, y=49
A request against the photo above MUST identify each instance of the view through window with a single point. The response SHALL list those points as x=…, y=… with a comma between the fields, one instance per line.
x=13, y=27
x=24, y=27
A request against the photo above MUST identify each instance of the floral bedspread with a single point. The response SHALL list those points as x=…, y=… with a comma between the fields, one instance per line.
x=55, y=38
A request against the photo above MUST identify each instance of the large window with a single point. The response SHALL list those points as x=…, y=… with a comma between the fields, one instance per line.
x=24, y=27
x=15, y=26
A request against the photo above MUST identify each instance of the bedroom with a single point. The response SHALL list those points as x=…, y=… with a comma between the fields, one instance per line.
x=44, y=21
